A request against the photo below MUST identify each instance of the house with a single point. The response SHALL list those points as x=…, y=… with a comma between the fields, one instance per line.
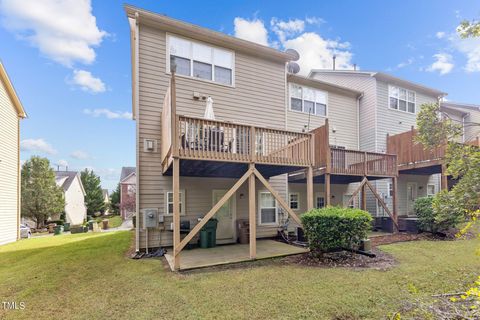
x=11, y=112
x=74, y=193
x=106, y=200
x=465, y=115
x=128, y=182
x=387, y=112
x=267, y=157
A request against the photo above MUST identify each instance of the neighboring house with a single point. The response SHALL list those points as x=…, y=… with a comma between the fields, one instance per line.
x=106, y=200
x=11, y=111
x=466, y=115
x=128, y=182
x=75, y=209
x=388, y=107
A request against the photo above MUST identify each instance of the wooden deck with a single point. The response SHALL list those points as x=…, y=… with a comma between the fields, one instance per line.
x=227, y=254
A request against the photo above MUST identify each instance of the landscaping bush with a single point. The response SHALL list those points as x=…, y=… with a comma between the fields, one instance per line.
x=335, y=228
x=424, y=212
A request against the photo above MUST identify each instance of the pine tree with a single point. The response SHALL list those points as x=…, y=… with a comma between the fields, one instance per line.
x=94, y=195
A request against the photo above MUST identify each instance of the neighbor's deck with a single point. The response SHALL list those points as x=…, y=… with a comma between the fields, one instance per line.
x=226, y=254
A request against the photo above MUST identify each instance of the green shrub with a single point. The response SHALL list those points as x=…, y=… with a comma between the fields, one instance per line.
x=335, y=228
x=424, y=211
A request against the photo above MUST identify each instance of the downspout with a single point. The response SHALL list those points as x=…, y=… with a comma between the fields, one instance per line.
x=19, y=179
x=358, y=120
x=137, y=129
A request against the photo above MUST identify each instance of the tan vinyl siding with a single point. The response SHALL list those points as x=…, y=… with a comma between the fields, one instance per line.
x=257, y=98
x=342, y=115
x=9, y=183
x=365, y=84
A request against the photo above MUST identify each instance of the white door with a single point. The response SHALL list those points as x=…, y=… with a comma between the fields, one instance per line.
x=226, y=218
x=411, y=196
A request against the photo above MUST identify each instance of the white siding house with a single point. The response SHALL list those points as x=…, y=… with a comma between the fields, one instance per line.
x=11, y=111
x=75, y=209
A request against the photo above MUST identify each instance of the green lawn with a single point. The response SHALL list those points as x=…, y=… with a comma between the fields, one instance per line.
x=87, y=276
x=113, y=221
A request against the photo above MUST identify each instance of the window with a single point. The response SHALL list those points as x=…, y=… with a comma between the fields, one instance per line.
x=319, y=200
x=294, y=201
x=308, y=100
x=401, y=99
x=268, y=208
x=390, y=190
x=169, y=202
x=430, y=190
x=200, y=61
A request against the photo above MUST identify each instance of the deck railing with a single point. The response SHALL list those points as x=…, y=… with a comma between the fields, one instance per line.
x=205, y=139
x=350, y=162
x=409, y=151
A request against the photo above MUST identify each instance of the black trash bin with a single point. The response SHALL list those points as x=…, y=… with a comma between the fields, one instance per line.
x=208, y=234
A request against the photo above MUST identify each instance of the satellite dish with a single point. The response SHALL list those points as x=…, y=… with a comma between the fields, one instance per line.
x=293, y=67
x=293, y=53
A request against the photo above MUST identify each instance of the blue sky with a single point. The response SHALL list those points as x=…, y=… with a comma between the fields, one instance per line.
x=69, y=60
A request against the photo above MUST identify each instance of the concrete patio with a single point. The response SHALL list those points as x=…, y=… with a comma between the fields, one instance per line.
x=233, y=253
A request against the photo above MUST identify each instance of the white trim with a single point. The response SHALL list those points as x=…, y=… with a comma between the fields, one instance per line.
x=182, y=202
x=167, y=60
x=390, y=87
x=290, y=200
x=415, y=184
x=434, y=190
x=315, y=102
x=259, y=201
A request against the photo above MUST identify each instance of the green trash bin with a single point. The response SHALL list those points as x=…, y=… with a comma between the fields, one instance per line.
x=66, y=226
x=208, y=234
x=58, y=230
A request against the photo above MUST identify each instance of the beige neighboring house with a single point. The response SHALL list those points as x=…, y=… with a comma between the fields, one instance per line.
x=75, y=209
x=11, y=111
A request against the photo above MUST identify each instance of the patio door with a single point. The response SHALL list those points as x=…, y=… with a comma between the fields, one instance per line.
x=226, y=218
x=411, y=196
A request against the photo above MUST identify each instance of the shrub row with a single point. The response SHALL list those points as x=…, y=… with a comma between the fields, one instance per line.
x=335, y=228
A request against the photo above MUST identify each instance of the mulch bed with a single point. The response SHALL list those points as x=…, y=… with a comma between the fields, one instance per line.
x=382, y=261
x=398, y=237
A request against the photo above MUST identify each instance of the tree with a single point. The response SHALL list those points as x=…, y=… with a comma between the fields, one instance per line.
x=463, y=164
x=129, y=202
x=41, y=197
x=94, y=195
x=469, y=29
x=115, y=200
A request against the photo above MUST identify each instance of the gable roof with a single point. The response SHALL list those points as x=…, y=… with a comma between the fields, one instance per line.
x=203, y=34
x=11, y=92
x=126, y=172
x=320, y=83
x=458, y=105
x=65, y=179
x=382, y=77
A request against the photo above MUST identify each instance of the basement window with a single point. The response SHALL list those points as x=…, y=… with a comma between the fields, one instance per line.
x=430, y=190
x=268, y=214
x=200, y=61
x=294, y=201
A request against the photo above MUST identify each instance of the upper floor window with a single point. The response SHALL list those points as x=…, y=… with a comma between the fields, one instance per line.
x=201, y=61
x=308, y=100
x=401, y=99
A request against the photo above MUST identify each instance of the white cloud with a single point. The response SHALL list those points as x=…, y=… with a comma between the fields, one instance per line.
x=284, y=29
x=87, y=81
x=80, y=155
x=406, y=63
x=251, y=30
x=314, y=20
x=440, y=35
x=317, y=52
x=65, y=31
x=37, y=145
x=62, y=163
x=443, y=63
x=469, y=47
x=109, y=114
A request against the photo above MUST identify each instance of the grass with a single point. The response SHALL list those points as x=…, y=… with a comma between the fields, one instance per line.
x=87, y=276
x=113, y=221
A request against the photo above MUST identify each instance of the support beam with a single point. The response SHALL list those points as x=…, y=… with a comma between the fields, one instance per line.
x=275, y=194
x=176, y=213
x=327, y=189
x=212, y=211
x=444, y=178
x=394, y=202
x=354, y=194
x=364, y=198
x=252, y=221
x=382, y=203
x=309, y=188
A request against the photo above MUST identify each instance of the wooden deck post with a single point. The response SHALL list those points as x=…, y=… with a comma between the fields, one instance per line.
x=176, y=213
x=444, y=178
x=327, y=189
x=252, y=221
x=309, y=188
x=394, y=201
x=364, y=198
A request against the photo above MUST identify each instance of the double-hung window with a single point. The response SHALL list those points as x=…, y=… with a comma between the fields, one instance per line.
x=401, y=99
x=308, y=100
x=430, y=190
x=200, y=61
x=268, y=208
x=169, y=202
x=320, y=200
x=294, y=201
